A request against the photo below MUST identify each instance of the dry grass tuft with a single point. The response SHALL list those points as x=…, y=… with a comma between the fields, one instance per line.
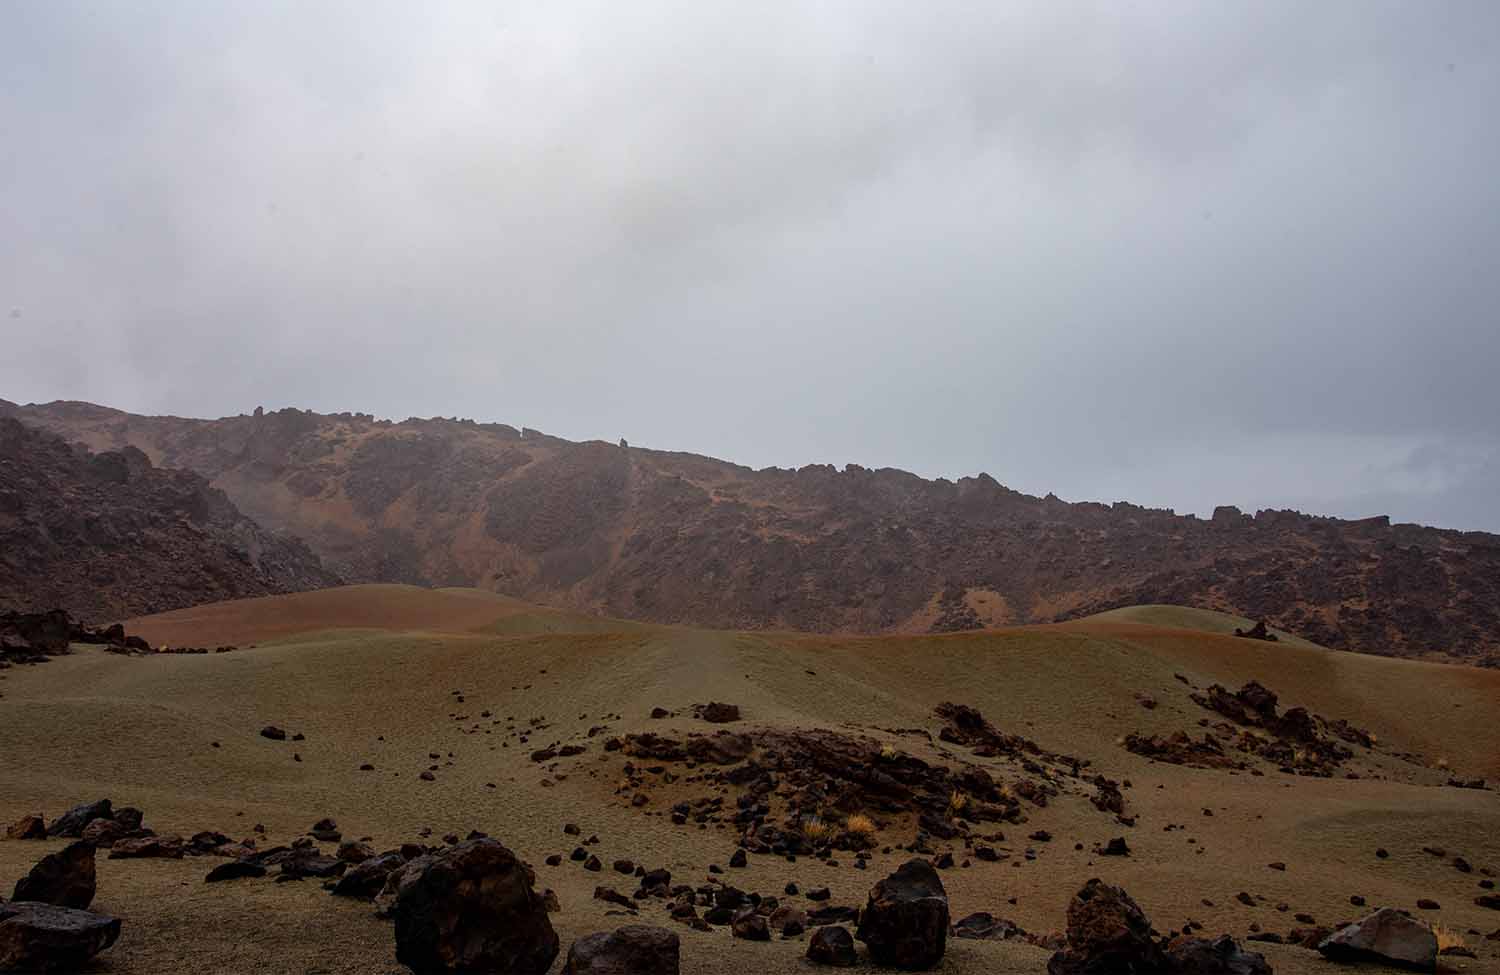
x=861, y=824
x=1448, y=938
x=815, y=829
x=957, y=803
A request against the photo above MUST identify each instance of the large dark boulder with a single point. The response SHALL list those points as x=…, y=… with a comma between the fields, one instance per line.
x=636, y=949
x=1386, y=937
x=46, y=938
x=832, y=945
x=1107, y=933
x=367, y=878
x=905, y=921
x=64, y=878
x=73, y=822
x=474, y=907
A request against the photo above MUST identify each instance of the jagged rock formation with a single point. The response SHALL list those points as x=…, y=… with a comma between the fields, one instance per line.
x=681, y=538
x=109, y=536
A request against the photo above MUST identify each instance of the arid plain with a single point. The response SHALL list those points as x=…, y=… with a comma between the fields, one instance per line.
x=469, y=687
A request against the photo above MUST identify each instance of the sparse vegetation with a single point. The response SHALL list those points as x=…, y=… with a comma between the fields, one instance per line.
x=814, y=829
x=957, y=803
x=1448, y=938
x=888, y=752
x=860, y=824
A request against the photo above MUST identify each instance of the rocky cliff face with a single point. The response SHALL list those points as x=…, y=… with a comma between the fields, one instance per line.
x=683, y=538
x=108, y=535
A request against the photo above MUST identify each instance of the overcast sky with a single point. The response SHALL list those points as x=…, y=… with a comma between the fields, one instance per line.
x=1175, y=253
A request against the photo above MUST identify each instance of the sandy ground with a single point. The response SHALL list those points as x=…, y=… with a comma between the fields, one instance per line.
x=367, y=674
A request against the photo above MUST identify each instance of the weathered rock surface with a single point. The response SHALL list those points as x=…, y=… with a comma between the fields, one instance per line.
x=46, y=938
x=73, y=822
x=65, y=878
x=1107, y=933
x=367, y=878
x=832, y=945
x=1386, y=937
x=109, y=535
x=474, y=907
x=636, y=949
x=905, y=921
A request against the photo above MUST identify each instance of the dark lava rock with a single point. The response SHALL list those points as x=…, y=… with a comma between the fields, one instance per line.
x=832, y=946
x=367, y=878
x=1385, y=937
x=750, y=926
x=47, y=938
x=1107, y=933
x=272, y=732
x=72, y=822
x=63, y=879
x=905, y=921
x=474, y=907
x=636, y=949
x=984, y=926
x=1221, y=956
x=143, y=847
x=719, y=713
x=234, y=870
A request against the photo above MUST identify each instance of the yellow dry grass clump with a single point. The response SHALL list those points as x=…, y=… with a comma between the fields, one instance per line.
x=861, y=824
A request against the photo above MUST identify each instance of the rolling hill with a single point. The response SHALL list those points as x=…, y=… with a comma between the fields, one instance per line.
x=680, y=538
x=481, y=692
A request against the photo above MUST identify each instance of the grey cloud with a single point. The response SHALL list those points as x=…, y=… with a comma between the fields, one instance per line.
x=1181, y=254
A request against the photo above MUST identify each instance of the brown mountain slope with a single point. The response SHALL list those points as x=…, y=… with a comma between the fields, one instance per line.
x=682, y=538
x=107, y=535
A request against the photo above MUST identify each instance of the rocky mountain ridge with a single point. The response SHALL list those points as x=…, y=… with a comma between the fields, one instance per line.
x=676, y=537
x=108, y=535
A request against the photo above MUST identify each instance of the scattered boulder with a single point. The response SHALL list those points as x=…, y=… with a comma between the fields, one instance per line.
x=326, y=831
x=750, y=926
x=274, y=733
x=367, y=878
x=308, y=862
x=1386, y=937
x=30, y=827
x=905, y=921
x=1107, y=932
x=234, y=870
x=474, y=907
x=103, y=832
x=636, y=949
x=984, y=926
x=73, y=822
x=141, y=847
x=832, y=945
x=47, y=938
x=716, y=712
x=1256, y=632
x=64, y=878
x=1221, y=956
